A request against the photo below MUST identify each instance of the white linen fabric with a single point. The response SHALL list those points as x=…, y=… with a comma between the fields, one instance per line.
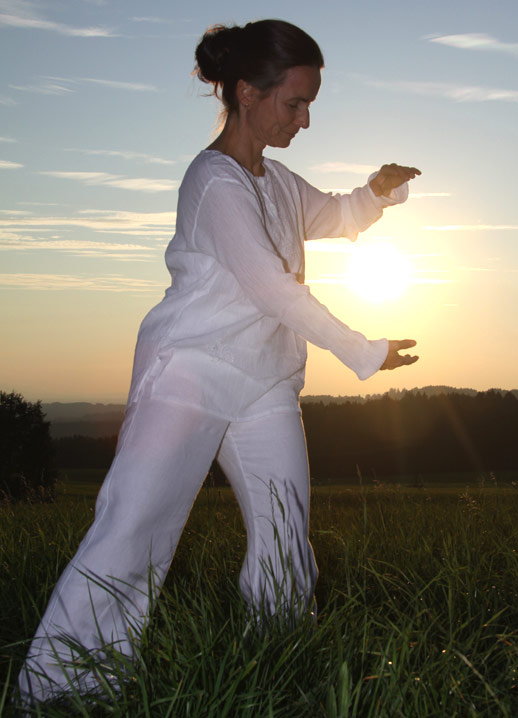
x=218, y=368
x=163, y=454
x=229, y=335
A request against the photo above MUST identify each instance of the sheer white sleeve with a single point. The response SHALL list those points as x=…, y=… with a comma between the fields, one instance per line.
x=343, y=215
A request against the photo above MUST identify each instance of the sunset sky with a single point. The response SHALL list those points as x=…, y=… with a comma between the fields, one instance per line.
x=99, y=119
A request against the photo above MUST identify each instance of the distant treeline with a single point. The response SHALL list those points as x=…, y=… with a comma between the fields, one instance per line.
x=415, y=434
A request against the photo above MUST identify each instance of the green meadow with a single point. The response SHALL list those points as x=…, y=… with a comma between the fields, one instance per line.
x=417, y=607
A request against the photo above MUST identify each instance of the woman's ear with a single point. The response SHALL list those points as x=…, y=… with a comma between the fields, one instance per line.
x=246, y=93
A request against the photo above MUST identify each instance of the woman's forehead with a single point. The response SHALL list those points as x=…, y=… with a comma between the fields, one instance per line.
x=301, y=83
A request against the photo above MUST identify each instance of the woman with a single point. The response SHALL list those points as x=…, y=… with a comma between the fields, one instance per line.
x=219, y=363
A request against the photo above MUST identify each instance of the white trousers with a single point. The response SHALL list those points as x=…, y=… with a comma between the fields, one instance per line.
x=164, y=453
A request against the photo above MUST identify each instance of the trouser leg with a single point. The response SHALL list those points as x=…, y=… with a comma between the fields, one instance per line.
x=164, y=453
x=265, y=461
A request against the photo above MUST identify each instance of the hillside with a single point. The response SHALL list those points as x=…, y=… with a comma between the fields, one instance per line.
x=98, y=420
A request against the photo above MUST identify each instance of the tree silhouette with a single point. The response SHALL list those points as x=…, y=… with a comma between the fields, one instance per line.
x=26, y=468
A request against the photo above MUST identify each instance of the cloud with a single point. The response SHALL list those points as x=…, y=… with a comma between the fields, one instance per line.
x=458, y=93
x=341, y=280
x=63, y=85
x=56, y=282
x=35, y=23
x=46, y=88
x=118, y=85
x=425, y=195
x=6, y=165
x=23, y=14
x=127, y=155
x=470, y=227
x=110, y=221
x=12, y=241
x=40, y=204
x=475, y=41
x=7, y=139
x=344, y=167
x=430, y=280
x=7, y=101
x=152, y=19
x=139, y=184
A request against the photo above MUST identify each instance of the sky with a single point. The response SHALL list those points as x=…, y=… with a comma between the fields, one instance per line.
x=100, y=117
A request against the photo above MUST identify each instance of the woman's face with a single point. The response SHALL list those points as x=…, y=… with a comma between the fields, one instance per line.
x=275, y=118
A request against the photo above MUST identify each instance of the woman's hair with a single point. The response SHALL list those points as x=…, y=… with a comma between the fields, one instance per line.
x=259, y=53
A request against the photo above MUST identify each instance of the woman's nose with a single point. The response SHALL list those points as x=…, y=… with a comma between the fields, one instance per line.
x=303, y=119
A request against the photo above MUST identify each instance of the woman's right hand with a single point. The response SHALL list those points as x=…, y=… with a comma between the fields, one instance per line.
x=394, y=359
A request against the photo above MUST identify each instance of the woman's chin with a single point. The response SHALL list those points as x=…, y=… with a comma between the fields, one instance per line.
x=282, y=141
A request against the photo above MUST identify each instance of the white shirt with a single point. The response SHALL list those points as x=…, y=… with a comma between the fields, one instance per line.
x=229, y=335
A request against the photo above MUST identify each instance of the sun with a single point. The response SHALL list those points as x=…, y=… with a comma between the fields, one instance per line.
x=378, y=272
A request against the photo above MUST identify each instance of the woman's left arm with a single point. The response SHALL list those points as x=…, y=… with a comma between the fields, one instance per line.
x=346, y=215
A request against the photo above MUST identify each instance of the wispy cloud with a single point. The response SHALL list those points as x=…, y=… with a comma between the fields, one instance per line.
x=48, y=85
x=8, y=139
x=109, y=221
x=12, y=241
x=341, y=280
x=149, y=18
x=45, y=88
x=7, y=101
x=430, y=280
x=40, y=204
x=139, y=184
x=6, y=165
x=127, y=155
x=470, y=227
x=118, y=85
x=458, y=93
x=54, y=282
x=426, y=195
x=475, y=41
x=344, y=167
x=24, y=15
x=39, y=24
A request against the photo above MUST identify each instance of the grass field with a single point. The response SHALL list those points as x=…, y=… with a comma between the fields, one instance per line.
x=417, y=597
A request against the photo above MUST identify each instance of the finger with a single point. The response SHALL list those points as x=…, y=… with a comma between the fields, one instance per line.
x=413, y=171
x=405, y=344
x=406, y=359
x=399, y=170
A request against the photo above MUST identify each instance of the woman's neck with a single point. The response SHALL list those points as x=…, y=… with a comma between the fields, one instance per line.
x=236, y=141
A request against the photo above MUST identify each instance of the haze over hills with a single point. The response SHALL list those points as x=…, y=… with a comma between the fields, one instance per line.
x=400, y=393
x=98, y=420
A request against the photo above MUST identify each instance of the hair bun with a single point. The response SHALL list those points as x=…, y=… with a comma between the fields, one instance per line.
x=213, y=51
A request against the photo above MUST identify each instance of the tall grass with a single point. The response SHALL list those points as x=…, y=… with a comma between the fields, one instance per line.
x=418, y=611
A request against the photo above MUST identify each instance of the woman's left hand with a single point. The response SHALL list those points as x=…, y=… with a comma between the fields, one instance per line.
x=394, y=359
x=391, y=176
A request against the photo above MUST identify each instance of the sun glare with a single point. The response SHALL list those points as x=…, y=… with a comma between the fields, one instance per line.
x=378, y=272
